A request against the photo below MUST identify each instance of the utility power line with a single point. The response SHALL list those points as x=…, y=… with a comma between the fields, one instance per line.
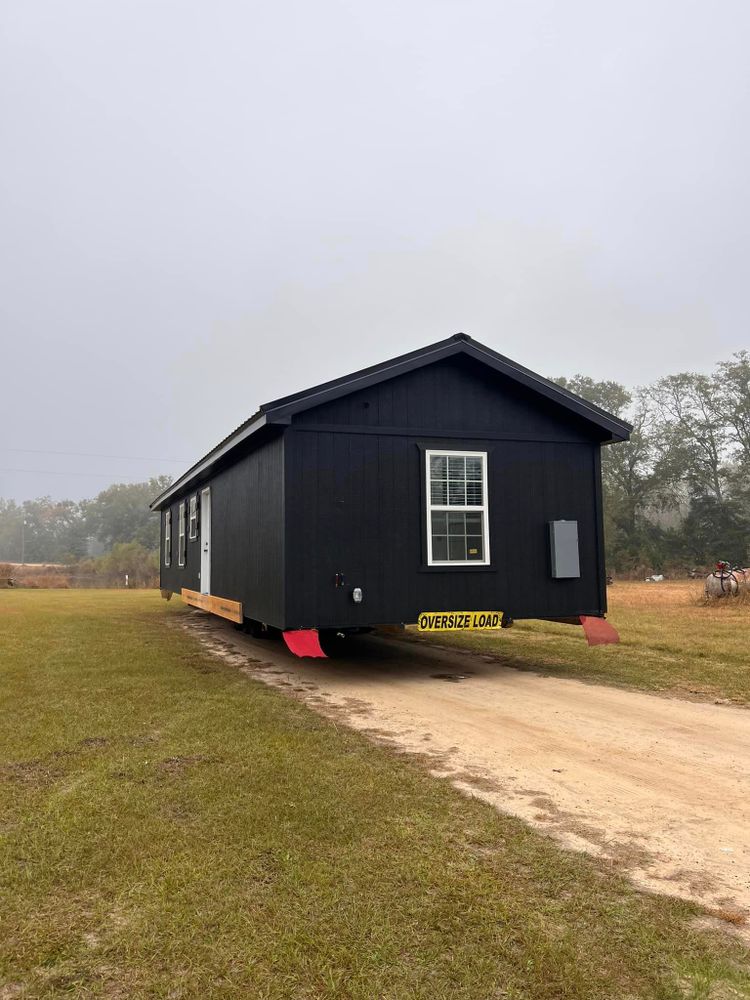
x=89, y=454
x=58, y=472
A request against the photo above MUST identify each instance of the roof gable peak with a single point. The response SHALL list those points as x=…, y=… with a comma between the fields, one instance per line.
x=280, y=411
x=614, y=427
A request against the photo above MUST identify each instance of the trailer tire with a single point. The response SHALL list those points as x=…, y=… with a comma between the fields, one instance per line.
x=259, y=630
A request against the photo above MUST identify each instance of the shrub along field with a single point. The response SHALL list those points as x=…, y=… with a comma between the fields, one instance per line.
x=169, y=828
x=671, y=640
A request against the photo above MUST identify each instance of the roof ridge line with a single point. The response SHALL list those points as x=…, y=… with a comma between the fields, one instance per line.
x=282, y=409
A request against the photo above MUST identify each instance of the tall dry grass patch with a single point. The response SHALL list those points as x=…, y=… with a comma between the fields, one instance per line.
x=674, y=594
x=36, y=576
x=47, y=581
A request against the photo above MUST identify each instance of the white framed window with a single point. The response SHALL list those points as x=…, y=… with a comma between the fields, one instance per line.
x=457, y=509
x=181, y=534
x=193, y=519
x=168, y=538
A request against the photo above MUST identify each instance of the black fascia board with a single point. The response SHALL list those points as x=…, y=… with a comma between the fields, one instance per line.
x=204, y=466
x=619, y=430
x=280, y=411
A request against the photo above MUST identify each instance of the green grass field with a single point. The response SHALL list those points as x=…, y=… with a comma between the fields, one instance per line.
x=670, y=641
x=171, y=829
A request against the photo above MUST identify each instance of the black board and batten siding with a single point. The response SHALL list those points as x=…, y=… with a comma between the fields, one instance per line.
x=247, y=533
x=355, y=476
x=333, y=491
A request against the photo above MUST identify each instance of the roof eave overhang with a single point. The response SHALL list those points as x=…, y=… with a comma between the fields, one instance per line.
x=199, y=470
x=281, y=411
x=615, y=428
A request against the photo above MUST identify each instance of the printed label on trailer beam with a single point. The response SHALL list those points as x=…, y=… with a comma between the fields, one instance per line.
x=454, y=621
x=216, y=605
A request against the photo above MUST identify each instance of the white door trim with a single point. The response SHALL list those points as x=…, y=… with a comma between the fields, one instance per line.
x=206, y=540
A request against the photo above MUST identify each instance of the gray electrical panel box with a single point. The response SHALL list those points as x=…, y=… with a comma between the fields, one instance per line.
x=563, y=549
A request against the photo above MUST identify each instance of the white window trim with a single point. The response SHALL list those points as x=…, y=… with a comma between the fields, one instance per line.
x=461, y=508
x=193, y=519
x=168, y=538
x=181, y=546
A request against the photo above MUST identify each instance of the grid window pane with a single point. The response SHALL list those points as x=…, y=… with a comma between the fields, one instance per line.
x=439, y=547
x=457, y=548
x=456, y=523
x=439, y=539
x=439, y=493
x=438, y=467
x=474, y=523
x=193, y=528
x=457, y=535
x=457, y=493
x=456, y=467
x=181, y=535
x=474, y=494
x=474, y=547
x=439, y=522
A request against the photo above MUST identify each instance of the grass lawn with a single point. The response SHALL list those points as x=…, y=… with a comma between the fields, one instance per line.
x=169, y=828
x=670, y=641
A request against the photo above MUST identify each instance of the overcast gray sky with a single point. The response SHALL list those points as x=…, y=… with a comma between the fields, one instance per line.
x=204, y=206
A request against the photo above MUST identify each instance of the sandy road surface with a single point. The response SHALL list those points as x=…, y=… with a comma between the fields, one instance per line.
x=661, y=786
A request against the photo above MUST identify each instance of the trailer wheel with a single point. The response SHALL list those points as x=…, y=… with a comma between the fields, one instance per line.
x=259, y=630
x=336, y=641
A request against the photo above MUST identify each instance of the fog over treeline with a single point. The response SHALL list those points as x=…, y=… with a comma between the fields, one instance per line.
x=206, y=206
x=66, y=531
x=676, y=496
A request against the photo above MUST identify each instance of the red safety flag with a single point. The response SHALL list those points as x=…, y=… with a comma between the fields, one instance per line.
x=598, y=631
x=303, y=642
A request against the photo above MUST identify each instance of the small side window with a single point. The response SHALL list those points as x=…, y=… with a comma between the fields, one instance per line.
x=193, y=523
x=168, y=538
x=181, y=535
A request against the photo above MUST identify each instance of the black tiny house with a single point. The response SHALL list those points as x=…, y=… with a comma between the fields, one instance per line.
x=447, y=478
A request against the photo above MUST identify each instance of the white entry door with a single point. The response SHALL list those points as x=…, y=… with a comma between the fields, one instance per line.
x=206, y=541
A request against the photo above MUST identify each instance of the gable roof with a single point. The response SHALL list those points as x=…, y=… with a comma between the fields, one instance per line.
x=280, y=411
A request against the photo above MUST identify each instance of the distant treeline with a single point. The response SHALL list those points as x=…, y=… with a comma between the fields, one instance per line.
x=67, y=531
x=676, y=496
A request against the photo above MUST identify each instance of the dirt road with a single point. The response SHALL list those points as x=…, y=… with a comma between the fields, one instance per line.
x=661, y=786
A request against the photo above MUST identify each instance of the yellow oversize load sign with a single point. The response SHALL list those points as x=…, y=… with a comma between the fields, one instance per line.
x=451, y=621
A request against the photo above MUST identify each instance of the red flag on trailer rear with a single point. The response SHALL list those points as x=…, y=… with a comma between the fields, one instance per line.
x=303, y=642
x=598, y=631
